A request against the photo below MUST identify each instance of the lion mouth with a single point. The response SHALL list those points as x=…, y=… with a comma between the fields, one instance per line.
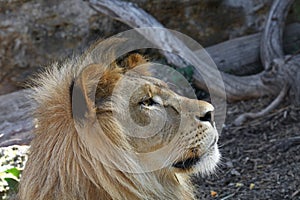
x=192, y=161
x=186, y=164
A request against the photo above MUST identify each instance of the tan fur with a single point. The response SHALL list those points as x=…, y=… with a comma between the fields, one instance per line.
x=69, y=163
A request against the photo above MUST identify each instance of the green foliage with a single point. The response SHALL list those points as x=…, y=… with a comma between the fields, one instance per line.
x=12, y=184
x=296, y=9
x=10, y=179
x=14, y=171
x=187, y=72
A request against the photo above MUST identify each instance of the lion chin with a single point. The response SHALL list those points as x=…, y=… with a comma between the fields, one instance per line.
x=203, y=164
x=115, y=132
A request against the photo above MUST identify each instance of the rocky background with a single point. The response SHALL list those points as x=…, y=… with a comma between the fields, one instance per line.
x=33, y=33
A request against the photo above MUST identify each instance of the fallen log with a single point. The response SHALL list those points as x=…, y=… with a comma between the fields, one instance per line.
x=16, y=121
x=239, y=55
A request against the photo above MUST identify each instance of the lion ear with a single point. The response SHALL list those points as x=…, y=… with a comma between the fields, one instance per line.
x=133, y=61
x=83, y=94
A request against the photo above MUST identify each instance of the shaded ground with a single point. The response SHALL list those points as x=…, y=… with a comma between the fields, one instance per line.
x=256, y=164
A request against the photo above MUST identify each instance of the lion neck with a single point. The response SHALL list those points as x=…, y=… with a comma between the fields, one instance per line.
x=79, y=173
x=150, y=185
x=138, y=184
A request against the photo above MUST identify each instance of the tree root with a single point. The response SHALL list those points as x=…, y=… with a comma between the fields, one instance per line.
x=248, y=116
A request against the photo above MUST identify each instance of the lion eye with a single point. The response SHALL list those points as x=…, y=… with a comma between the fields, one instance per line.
x=148, y=102
x=156, y=100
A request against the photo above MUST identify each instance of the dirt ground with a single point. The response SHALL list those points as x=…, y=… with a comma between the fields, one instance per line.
x=257, y=161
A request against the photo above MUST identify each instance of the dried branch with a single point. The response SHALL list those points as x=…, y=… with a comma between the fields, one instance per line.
x=281, y=72
x=271, y=42
x=248, y=116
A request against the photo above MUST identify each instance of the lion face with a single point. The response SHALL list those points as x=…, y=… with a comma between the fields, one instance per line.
x=177, y=132
x=162, y=128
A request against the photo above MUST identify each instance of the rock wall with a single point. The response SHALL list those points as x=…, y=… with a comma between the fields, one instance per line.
x=33, y=33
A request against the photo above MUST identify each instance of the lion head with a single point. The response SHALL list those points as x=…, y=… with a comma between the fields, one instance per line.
x=116, y=133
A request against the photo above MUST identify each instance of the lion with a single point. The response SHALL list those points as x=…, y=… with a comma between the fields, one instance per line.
x=110, y=130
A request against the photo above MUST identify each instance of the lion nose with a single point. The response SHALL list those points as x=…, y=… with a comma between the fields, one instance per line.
x=206, y=117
